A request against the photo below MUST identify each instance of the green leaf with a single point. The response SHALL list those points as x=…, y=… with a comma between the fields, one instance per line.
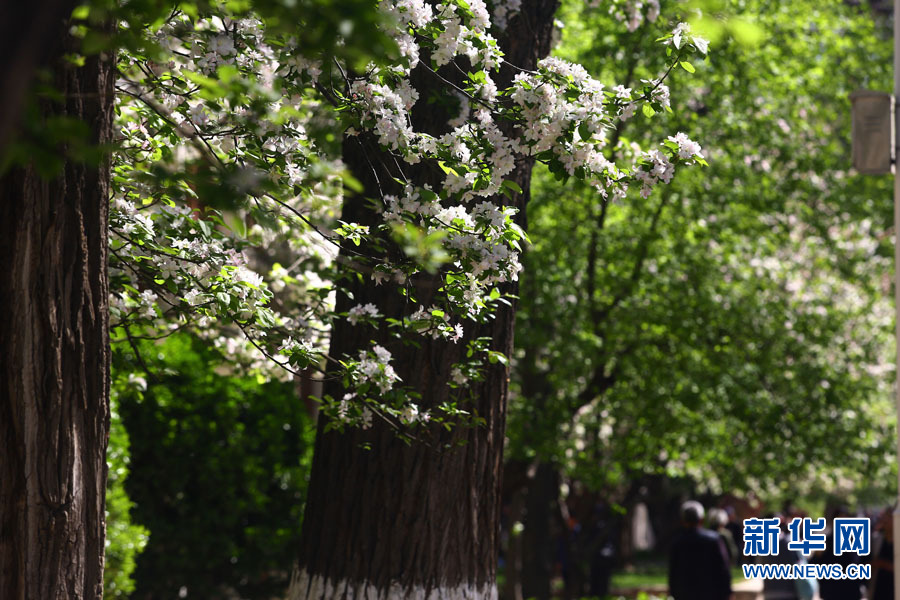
x=495, y=357
x=446, y=169
x=265, y=317
x=236, y=224
x=204, y=227
x=687, y=66
x=512, y=186
x=584, y=131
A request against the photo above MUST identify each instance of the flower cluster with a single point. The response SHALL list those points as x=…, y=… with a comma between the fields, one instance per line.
x=681, y=36
x=374, y=369
x=436, y=323
x=362, y=312
x=503, y=11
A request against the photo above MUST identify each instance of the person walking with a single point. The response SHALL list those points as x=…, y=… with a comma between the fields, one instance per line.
x=780, y=589
x=718, y=522
x=837, y=589
x=882, y=586
x=698, y=560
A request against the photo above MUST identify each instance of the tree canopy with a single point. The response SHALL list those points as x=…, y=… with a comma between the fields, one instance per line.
x=743, y=306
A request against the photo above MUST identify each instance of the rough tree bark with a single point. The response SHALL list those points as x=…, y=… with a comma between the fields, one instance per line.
x=54, y=357
x=418, y=520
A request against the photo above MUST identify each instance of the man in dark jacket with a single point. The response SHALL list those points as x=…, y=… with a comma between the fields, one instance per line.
x=838, y=589
x=698, y=561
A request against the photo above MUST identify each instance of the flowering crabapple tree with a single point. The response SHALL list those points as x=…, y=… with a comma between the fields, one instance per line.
x=444, y=141
x=309, y=213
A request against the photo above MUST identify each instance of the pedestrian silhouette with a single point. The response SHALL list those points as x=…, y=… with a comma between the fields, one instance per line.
x=780, y=589
x=718, y=522
x=882, y=585
x=698, y=560
x=837, y=589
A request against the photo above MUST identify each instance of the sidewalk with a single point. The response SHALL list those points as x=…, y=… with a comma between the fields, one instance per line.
x=749, y=589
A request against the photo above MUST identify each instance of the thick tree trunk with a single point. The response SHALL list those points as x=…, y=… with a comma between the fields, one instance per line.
x=408, y=520
x=54, y=370
x=387, y=519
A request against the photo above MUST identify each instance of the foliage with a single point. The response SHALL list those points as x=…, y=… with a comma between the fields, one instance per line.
x=354, y=31
x=735, y=326
x=219, y=470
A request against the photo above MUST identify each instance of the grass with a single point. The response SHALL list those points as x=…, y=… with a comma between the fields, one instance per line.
x=653, y=575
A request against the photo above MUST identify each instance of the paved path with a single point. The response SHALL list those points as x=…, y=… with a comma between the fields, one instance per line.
x=749, y=589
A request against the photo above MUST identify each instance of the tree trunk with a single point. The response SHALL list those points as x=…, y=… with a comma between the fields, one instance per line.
x=515, y=550
x=539, y=543
x=387, y=519
x=54, y=344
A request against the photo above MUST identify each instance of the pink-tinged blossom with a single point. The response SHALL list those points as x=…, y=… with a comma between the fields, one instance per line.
x=362, y=311
x=687, y=148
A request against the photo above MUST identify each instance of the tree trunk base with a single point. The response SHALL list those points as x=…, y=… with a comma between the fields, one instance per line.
x=315, y=587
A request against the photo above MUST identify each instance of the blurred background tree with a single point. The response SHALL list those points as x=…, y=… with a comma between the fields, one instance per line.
x=730, y=334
